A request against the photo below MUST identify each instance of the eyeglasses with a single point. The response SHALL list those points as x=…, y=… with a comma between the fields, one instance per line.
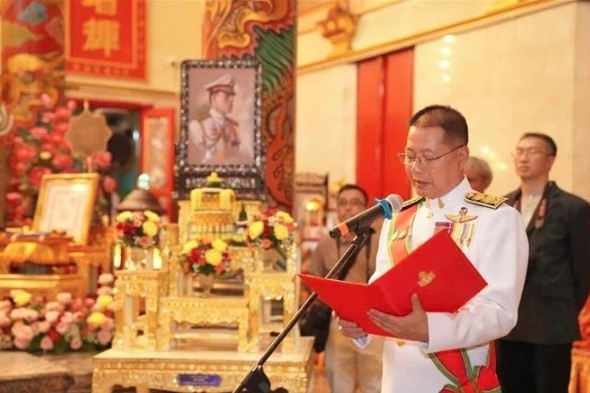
x=409, y=159
x=529, y=151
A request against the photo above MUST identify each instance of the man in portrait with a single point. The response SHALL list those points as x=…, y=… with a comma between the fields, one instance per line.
x=214, y=138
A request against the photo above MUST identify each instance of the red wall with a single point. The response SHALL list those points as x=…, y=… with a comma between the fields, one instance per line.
x=383, y=110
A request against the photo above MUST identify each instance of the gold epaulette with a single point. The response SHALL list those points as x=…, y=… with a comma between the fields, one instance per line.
x=479, y=198
x=411, y=202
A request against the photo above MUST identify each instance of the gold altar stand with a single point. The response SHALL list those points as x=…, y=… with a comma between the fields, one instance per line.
x=214, y=369
x=131, y=287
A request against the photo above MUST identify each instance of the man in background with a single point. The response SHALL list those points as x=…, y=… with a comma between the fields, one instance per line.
x=536, y=356
x=478, y=173
x=347, y=366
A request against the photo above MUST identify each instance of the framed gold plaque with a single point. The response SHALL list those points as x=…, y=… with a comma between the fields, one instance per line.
x=65, y=204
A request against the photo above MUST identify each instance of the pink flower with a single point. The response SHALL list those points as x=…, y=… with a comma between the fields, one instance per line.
x=106, y=278
x=104, y=336
x=5, y=305
x=52, y=316
x=62, y=113
x=144, y=241
x=48, y=117
x=20, y=330
x=64, y=298
x=109, y=324
x=68, y=317
x=109, y=184
x=266, y=243
x=31, y=315
x=21, y=342
x=54, y=306
x=4, y=320
x=61, y=128
x=46, y=343
x=89, y=302
x=49, y=147
x=71, y=105
x=101, y=160
x=36, y=174
x=46, y=100
x=62, y=327
x=77, y=304
x=43, y=326
x=18, y=314
x=76, y=343
x=62, y=161
x=24, y=152
x=38, y=132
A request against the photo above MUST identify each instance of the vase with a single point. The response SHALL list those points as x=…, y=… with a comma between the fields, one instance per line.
x=271, y=260
x=137, y=258
x=206, y=282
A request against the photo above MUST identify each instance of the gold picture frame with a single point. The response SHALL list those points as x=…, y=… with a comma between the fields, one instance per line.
x=66, y=203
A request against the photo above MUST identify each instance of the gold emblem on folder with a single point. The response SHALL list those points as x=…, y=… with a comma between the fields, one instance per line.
x=425, y=278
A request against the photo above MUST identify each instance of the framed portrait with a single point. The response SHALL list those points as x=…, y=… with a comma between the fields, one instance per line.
x=66, y=203
x=220, y=126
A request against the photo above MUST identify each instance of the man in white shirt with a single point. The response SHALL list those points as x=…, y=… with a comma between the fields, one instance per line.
x=431, y=352
x=214, y=139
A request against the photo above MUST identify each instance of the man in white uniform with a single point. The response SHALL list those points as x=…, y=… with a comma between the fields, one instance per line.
x=214, y=138
x=492, y=236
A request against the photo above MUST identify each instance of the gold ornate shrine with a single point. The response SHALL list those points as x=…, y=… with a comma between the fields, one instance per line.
x=203, y=341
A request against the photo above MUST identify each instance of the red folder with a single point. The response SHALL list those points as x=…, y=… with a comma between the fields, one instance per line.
x=437, y=271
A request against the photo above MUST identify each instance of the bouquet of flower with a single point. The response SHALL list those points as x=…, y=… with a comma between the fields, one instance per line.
x=205, y=257
x=32, y=324
x=273, y=229
x=43, y=149
x=137, y=229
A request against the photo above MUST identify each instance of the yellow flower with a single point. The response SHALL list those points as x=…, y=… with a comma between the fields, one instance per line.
x=150, y=228
x=188, y=246
x=151, y=216
x=104, y=301
x=96, y=319
x=284, y=217
x=213, y=257
x=22, y=298
x=255, y=229
x=219, y=245
x=281, y=232
x=45, y=155
x=124, y=216
x=238, y=238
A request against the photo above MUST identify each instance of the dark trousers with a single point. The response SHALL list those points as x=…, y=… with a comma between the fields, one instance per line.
x=533, y=368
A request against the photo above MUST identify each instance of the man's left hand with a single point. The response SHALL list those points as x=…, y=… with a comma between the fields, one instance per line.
x=413, y=326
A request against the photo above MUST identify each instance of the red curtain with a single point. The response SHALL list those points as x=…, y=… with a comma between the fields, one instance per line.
x=383, y=110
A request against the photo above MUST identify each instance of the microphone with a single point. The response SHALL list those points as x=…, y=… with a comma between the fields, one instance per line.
x=384, y=208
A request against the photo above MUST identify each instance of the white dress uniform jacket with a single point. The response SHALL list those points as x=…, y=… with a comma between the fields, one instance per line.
x=498, y=248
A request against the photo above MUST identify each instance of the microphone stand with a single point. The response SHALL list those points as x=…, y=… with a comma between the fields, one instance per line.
x=256, y=381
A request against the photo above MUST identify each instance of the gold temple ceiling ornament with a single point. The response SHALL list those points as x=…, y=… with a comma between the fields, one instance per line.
x=339, y=27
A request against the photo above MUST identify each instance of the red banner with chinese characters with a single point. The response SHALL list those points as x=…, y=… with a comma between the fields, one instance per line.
x=106, y=38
